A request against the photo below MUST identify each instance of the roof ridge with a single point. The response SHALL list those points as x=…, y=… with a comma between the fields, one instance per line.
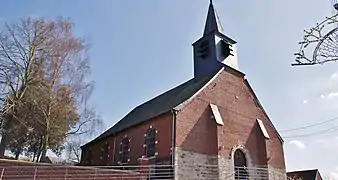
x=156, y=96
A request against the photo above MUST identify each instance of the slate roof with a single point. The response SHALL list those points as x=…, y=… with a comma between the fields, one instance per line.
x=156, y=106
x=304, y=175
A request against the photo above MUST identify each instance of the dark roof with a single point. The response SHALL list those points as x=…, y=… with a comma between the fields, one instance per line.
x=304, y=175
x=166, y=102
x=156, y=106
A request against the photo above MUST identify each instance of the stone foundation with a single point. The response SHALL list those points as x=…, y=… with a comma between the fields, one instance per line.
x=277, y=174
x=194, y=166
x=225, y=168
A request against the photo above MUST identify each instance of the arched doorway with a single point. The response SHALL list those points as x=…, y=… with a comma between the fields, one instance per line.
x=240, y=165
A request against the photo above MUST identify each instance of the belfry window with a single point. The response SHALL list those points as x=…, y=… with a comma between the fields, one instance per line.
x=223, y=50
x=150, y=143
x=203, y=49
x=124, y=150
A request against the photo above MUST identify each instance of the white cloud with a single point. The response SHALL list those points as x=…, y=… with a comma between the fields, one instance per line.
x=305, y=101
x=332, y=95
x=298, y=144
x=328, y=142
x=334, y=76
x=334, y=174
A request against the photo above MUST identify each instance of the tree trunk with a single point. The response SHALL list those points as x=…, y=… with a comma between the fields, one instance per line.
x=17, y=154
x=5, y=137
x=44, y=147
x=34, y=156
x=39, y=150
x=46, y=138
x=3, y=144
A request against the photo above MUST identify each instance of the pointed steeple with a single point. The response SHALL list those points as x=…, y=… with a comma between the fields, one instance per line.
x=212, y=23
x=214, y=49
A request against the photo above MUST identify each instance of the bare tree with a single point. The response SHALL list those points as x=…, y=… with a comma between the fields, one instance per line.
x=44, y=66
x=73, y=150
x=20, y=46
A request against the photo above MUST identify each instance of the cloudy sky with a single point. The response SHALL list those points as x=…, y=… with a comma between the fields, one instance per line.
x=143, y=48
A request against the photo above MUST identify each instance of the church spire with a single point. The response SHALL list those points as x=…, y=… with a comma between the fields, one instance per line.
x=214, y=49
x=212, y=23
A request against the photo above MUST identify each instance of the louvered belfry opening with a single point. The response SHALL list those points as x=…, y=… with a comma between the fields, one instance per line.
x=203, y=49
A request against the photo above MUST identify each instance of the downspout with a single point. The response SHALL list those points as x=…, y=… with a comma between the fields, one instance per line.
x=173, y=135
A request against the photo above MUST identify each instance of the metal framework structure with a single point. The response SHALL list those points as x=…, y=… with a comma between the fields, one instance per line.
x=320, y=43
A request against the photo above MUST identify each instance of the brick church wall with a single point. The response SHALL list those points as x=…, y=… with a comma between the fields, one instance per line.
x=162, y=124
x=200, y=140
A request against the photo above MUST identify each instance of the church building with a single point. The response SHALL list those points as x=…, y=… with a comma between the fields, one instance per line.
x=213, y=119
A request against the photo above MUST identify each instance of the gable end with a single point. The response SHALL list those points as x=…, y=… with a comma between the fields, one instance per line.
x=246, y=82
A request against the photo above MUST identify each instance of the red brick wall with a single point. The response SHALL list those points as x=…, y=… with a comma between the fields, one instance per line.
x=162, y=124
x=197, y=131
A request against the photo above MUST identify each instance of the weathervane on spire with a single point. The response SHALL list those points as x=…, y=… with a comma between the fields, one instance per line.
x=320, y=43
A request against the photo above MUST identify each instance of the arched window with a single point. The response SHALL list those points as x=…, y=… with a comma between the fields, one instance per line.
x=239, y=158
x=124, y=150
x=150, y=143
x=240, y=165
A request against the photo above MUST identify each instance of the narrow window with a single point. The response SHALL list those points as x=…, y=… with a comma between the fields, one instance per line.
x=150, y=143
x=106, y=152
x=124, y=151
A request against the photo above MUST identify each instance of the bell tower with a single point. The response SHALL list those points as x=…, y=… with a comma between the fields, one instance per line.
x=214, y=49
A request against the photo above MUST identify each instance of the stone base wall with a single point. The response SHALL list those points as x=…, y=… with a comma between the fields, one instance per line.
x=195, y=166
x=192, y=166
x=225, y=168
x=277, y=174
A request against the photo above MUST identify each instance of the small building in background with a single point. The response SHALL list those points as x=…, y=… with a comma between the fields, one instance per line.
x=57, y=161
x=305, y=175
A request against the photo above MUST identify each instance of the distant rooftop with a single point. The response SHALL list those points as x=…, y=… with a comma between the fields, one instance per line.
x=304, y=174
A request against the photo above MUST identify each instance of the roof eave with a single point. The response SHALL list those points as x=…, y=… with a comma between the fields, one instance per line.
x=216, y=33
x=99, y=138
